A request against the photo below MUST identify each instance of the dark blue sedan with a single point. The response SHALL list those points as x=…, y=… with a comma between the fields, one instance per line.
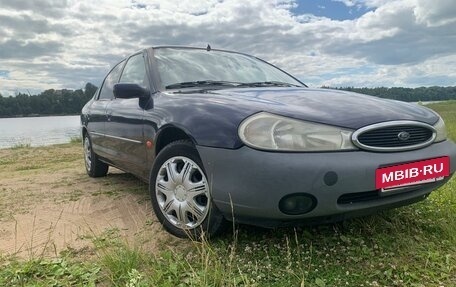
x=220, y=136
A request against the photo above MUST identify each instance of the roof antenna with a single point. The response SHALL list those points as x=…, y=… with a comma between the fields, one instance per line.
x=208, y=48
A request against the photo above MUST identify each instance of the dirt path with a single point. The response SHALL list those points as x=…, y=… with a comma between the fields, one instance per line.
x=48, y=204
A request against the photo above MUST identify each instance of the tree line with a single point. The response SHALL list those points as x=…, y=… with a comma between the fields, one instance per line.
x=70, y=102
x=423, y=94
x=49, y=102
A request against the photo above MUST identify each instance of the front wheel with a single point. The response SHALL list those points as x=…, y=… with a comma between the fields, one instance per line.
x=180, y=193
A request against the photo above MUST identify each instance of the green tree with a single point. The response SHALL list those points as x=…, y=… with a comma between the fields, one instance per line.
x=49, y=102
x=408, y=94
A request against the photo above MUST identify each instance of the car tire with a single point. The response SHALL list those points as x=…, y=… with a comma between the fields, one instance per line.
x=180, y=193
x=94, y=166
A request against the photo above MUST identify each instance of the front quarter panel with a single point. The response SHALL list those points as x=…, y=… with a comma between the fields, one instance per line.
x=208, y=120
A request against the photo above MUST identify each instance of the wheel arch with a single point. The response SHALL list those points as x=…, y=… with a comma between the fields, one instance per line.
x=84, y=131
x=170, y=133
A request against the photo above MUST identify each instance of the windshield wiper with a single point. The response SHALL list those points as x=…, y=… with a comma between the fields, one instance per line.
x=206, y=83
x=269, y=84
x=203, y=83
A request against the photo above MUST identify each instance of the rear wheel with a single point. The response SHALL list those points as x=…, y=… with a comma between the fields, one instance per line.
x=181, y=195
x=93, y=165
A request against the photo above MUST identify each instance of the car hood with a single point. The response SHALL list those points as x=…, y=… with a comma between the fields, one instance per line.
x=332, y=107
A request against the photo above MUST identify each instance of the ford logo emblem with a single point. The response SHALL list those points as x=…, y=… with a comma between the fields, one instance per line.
x=403, y=136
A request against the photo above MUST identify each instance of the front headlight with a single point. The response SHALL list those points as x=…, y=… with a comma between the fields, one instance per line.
x=440, y=130
x=272, y=132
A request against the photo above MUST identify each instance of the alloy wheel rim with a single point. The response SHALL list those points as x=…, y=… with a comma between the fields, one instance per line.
x=87, y=153
x=182, y=192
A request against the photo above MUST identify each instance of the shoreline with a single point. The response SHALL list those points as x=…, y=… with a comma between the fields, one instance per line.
x=71, y=141
x=38, y=116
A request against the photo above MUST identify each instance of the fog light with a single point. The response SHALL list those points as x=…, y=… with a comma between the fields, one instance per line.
x=297, y=203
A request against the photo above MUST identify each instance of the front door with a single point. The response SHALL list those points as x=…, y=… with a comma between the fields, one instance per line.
x=125, y=121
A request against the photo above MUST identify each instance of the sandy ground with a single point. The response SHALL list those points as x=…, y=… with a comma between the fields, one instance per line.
x=48, y=204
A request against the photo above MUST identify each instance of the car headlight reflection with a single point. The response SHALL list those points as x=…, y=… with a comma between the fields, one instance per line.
x=441, y=133
x=272, y=132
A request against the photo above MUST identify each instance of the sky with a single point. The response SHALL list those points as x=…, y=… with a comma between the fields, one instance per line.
x=55, y=44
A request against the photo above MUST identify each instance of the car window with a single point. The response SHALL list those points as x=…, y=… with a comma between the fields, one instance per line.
x=135, y=72
x=95, y=95
x=177, y=65
x=108, y=84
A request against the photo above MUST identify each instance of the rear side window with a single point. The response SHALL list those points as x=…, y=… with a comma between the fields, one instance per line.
x=135, y=72
x=110, y=81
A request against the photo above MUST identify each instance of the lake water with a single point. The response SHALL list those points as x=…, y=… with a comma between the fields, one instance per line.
x=38, y=131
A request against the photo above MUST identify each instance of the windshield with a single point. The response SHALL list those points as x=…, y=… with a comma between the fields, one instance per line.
x=183, y=65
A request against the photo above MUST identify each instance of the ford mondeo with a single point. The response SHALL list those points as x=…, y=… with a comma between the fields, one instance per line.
x=222, y=136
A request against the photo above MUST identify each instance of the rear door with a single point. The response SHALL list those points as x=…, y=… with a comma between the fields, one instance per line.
x=125, y=120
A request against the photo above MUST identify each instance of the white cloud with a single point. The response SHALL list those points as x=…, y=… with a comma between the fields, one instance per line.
x=435, y=13
x=63, y=44
x=365, y=3
x=348, y=3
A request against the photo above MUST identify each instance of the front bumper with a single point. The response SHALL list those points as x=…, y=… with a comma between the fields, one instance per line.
x=252, y=182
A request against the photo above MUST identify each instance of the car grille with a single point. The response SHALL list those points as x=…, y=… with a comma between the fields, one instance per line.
x=351, y=198
x=390, y=137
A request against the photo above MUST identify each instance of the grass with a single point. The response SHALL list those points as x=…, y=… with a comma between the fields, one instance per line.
x=77, y=139
x=448, y=111
x=21, y=146
x=409, y=246
x=49, y=272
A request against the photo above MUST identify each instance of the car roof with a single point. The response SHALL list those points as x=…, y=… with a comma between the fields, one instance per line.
x=197, y=48
x=183, y=47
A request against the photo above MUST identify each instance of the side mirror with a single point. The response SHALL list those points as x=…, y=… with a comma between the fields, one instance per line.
x=130, y=91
